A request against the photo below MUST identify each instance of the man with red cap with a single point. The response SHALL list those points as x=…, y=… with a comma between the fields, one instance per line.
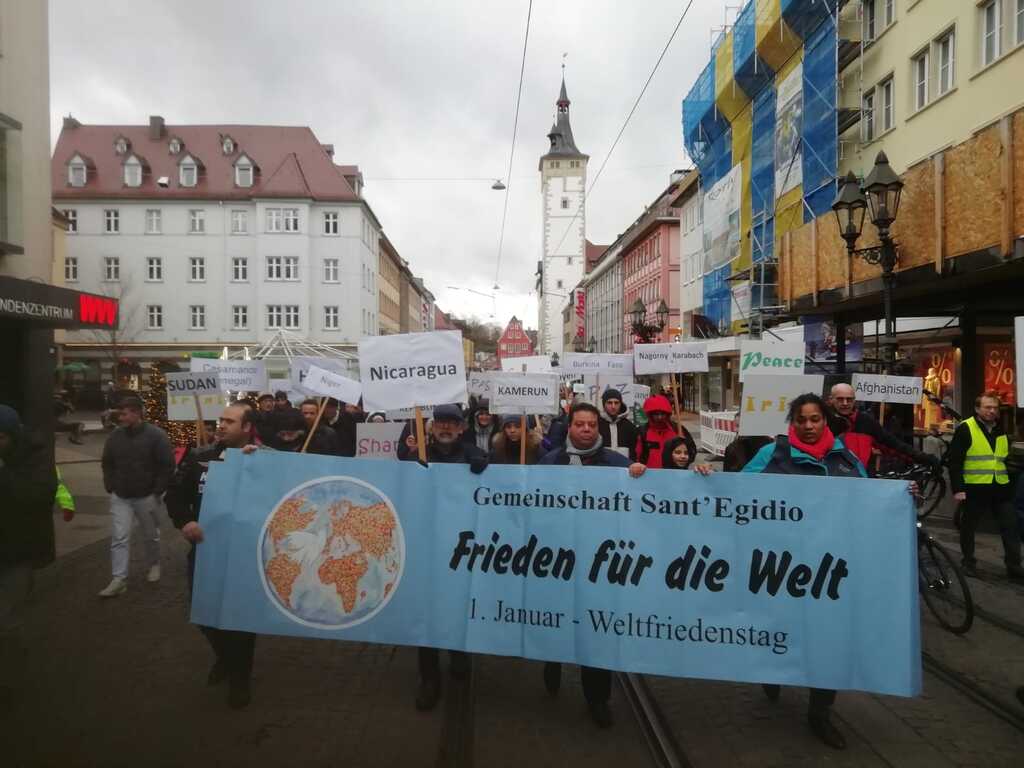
x=659, y=431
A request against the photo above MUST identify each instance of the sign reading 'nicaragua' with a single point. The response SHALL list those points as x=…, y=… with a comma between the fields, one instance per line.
x=410, y=369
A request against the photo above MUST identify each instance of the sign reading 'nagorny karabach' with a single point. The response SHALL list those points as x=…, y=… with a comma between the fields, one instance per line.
x=765, y=578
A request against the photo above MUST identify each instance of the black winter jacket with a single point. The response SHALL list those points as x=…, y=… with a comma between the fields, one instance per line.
x=185, y=493
x=137, y=461
x=28, y=482
x=626, y=433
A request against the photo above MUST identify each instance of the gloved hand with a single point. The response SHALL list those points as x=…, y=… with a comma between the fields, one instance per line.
x=477, y=464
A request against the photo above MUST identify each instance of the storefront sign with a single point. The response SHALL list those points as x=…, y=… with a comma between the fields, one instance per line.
x=670, y=358
x=410, y=369
x=1018, y=342
x=771, y=359
x=1000, y=371
x=888, y=389
x=766, y=399
x=580, y=363
x=53, y=306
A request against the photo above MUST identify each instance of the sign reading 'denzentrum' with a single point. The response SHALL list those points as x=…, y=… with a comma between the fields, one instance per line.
x=409, y=369
x=888, y=389
x=764, y=578
x=670, y=358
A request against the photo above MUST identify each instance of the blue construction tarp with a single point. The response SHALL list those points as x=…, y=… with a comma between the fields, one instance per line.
x=804, y=16
x=750, y=71
x=820, y=120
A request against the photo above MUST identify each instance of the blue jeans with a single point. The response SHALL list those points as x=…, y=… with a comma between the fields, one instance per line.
x=146, y=510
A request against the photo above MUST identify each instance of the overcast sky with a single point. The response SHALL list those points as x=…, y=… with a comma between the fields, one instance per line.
x=410, y=90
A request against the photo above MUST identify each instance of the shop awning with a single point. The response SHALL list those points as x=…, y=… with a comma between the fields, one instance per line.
x=50, y=305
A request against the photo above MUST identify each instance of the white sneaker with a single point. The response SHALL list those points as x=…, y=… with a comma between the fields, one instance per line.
x=117, y=586
x=154, y=574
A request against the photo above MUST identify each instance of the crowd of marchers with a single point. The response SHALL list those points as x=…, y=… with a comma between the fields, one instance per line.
x=147, y=477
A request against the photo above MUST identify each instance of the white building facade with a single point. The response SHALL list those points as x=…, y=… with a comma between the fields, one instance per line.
x=268, y=235
x=604, y=301
x=691, y=258
x=563, y=190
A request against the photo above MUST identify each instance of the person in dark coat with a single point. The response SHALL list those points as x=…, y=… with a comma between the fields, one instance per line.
x=233, y=650
x=264, y=420
x=444, y=446
x=508, y=442
x=617, y=431
x=290, y=435
x=324, y=439
x=483, y=427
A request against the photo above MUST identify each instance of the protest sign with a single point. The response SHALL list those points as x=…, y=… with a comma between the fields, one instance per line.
x=766, y=399
x=404, y=414
x=776, y=580
x=479, y=383
x=888, y=389
x=579, y=363
x=300, y=366
x=328, y=384
x=670, y=358
x=771, y=358
x=529, y=393
x=378, y=441
x=633, y=395
x=235, y=375
x=527, y=364
x=182, y=390
x=409, y=369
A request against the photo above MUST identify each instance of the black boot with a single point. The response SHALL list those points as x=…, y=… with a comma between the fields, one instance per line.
x=428, y=694
x=552, y=677
x=459, y=666
x=771, y=690
x=823, y=728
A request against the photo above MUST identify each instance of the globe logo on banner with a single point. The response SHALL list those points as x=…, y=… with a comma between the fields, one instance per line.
x=332, y=552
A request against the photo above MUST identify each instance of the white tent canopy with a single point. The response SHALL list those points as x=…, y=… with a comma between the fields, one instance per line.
x=283, y=346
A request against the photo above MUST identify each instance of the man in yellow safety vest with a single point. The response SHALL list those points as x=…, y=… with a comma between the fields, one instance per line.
x=978, y=476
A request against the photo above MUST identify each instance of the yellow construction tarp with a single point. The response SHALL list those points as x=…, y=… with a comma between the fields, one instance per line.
x=729, y=97
x=776, y=42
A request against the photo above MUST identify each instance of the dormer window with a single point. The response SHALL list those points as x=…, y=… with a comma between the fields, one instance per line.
x=77, y=172
x=227, y=145
x=174, y=145
x=188, y=172
x=243, y=172
x=132, y=172
x=121, y=145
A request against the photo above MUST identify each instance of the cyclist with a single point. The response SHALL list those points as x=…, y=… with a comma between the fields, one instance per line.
x=862, y=433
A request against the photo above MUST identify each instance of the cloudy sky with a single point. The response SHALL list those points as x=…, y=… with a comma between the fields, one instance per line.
x=421, y=95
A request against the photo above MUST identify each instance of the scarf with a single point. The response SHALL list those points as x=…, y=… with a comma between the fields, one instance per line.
x=576, y=455
x=483, y=438
x=818, y=449
x=613, y=427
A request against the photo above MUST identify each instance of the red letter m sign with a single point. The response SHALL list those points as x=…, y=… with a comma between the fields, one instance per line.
x=94, y=310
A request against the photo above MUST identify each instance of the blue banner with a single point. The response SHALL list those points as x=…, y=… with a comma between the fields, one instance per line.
x=760, y=578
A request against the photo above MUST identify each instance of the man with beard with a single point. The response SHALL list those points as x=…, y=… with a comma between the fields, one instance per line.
x=233, y=651
x=617, y=431
x=325, y=440
x=445, y=447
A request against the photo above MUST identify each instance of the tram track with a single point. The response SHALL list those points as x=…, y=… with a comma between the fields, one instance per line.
x=665, y=750
x=1007, y=712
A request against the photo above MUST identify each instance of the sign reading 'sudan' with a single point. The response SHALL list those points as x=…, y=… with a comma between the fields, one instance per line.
x=776, y=580
x=580, y=363
x=518, y=394
x=182, y=391
x=888, y=389
x=766, y=399
x=409, y=369
x=670, y=358
x=235, y=375
x=771, y=358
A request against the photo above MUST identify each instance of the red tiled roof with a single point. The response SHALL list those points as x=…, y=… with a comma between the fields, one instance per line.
x=291, y=163
x=594, y=254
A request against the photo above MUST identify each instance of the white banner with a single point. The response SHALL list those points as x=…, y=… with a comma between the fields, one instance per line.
x=330, y=384
x=789, y=108
x=670, y=358
x=378, y=441
x=479, y=383
x=235, y=375
x=888, y=389
x=527, y=364
x=771, y=358
x=722, y=220
x=633, y=395
x=531, y=393
x=766, y=401
x=1018, y=348
x=182, y=389
x=404, y=414
x=300, y=368
x=410, y=369
x=580, y=363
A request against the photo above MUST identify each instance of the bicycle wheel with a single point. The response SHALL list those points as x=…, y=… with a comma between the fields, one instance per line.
x=944, y=587
x=932, y=490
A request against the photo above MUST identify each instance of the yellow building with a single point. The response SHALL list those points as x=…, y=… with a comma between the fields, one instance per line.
x=930, y=75
x=389, y=289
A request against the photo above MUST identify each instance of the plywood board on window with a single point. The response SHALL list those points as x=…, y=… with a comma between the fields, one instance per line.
x=802, y=255
x=1018, y=174
x=914, y=229
x=973, y=194
x=831, y=255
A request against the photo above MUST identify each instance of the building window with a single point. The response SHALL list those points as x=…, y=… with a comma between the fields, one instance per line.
x=274, y=267
x=188, y=173
x=174, y=146
x=227, y=145
x=111, y=269
x=890, y=12
x=239, y=317
x=291, y=219
x=869, y=21
x=111, y=221
x=887, y=108
x=330, y=318
x=867, y=117
x=283, y=316
x=920, y=64
x=197, y=221
x=132, y=172
x=197, y=317
x=1019, y=16
x=243, y=174
x=330, y=222
x=71, y=215
x=71, y=269
x=239, y=222
x=77, y=174
x=154, y=317
x=291, y=268
x=154, y=221
x=240, y=269
x=154, y=269
x=274, y=220
x=330, y=270
x=273, y=316
x=558, y=284
x=991, y=31
x=947, y=55
x=565, y=203
x=197, y=269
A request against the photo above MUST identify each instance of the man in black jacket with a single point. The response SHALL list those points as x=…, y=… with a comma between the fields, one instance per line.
x=617, y=431
x=445, y=447
x=137, y=466
x=233, y=651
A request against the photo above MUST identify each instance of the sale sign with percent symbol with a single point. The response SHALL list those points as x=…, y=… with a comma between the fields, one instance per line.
x=1000, y=373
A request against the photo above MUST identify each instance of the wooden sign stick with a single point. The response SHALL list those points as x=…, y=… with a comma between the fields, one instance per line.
x=421, y=436
x=200, y=432
x=675, y=406
x=522, y=439
x=316, y=423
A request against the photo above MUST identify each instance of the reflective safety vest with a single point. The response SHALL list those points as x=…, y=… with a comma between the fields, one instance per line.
x=64, y=498
x=981, y=466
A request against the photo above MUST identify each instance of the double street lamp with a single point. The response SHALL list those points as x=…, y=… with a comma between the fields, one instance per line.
x=578, y=345
x=646, y=332
x=880, y=196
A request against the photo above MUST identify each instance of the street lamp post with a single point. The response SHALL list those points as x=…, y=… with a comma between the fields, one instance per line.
x=880, y=196
x=644, y=331
x=592, y=345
